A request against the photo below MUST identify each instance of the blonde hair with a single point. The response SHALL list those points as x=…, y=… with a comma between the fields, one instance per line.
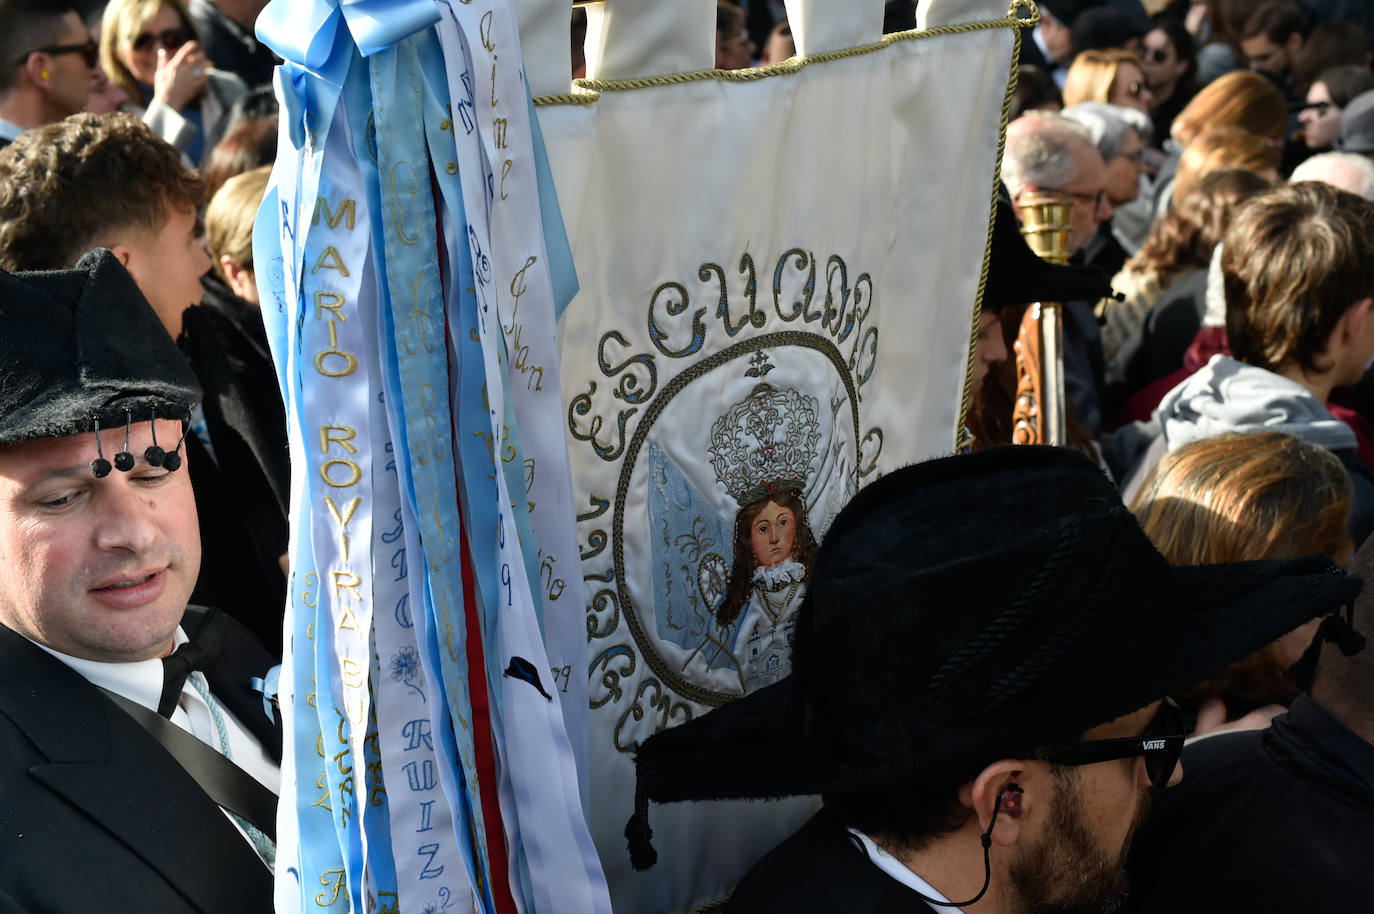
x=1223, y=147
x=1093, y=75
x=1241, y=98
x=1239, y=497
x=120, y=25
x=229, y=218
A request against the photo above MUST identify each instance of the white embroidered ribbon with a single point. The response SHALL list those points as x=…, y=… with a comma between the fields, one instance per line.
x=335, y=353
x=309, y=861
x=552, y=853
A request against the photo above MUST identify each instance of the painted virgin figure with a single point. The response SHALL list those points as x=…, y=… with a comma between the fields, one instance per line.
x=763, y=450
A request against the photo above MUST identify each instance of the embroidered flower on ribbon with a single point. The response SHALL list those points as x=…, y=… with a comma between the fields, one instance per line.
x=405, y=667
x=445, y=896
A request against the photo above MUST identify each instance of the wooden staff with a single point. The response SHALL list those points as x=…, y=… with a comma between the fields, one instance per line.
x=1038, y=415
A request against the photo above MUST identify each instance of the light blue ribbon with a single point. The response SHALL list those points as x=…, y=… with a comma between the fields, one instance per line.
x=562, y=272
x=267, y=687
x=417, y=360
x=303, y=31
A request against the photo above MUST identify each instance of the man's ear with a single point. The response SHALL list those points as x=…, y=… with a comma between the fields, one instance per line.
x=991, y=787
x=122, y=253
x=235, y=276
x=1293, y=44
x=1356, y=321
x=36, y=69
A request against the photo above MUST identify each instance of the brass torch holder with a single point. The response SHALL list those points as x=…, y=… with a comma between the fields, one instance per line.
x=1038, y=415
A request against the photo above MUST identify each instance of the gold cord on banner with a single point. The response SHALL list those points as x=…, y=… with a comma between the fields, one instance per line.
x=588, y=90
x=1020, y=14
x=962, y=438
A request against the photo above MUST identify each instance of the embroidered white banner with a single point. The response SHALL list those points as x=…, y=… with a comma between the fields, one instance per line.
x=778, y=272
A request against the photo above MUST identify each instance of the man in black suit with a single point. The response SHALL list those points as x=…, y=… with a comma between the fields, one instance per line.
x=111, y=689
x=1049, y=45
x=147, y=217
x=976, y=693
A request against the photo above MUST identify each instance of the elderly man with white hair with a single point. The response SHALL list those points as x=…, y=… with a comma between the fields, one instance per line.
x=1050, y=152
x=1121, y=135
x=1345, y=170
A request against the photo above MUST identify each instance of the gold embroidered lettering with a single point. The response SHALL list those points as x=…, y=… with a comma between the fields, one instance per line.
x=329, y=260
x=345, y=211
x=347, y=580
x=355, y=473
x=334, y=305
x=344, y=440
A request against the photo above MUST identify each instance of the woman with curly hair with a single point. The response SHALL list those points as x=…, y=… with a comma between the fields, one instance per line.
x=1180, y=246
x=1240, y=99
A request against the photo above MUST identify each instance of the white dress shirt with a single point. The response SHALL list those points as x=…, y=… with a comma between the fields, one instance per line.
x=141, y=681
x=897, y=869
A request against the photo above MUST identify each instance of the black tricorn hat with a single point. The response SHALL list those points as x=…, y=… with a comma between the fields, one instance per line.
x=1016, y=276
x=968, y=609
x=84, y=346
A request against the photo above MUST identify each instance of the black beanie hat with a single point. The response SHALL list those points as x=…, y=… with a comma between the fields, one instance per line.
x=83, y=346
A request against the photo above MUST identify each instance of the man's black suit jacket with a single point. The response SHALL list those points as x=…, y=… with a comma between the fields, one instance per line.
x=96, y=816
x=821, y=869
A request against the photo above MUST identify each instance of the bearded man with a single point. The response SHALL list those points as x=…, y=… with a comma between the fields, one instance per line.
x=977, y=693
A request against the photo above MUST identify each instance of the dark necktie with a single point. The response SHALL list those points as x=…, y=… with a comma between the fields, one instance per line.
x=199, y=653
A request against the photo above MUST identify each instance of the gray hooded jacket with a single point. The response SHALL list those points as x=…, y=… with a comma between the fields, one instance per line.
x=1226, y=395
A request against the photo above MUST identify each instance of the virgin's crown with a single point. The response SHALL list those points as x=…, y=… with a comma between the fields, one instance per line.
x=765, y=444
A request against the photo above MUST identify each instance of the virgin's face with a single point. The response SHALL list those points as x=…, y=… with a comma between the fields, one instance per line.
x=772, y=534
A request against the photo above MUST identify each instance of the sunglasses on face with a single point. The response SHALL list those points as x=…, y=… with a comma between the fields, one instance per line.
x=1161, y=744
x=1318, y=108
x=1157, y=55
x=87, y=49
x=171, y=39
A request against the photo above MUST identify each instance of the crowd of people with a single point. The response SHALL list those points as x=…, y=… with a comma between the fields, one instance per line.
x=993, y=738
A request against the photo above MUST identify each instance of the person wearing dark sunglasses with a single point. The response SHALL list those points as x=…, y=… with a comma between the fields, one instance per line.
x=47, y=65
x=1168, y=59
x=150, y=49
x=1326, y=100
x=977, y=693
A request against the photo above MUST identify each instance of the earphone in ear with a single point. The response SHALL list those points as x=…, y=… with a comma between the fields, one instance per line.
x=43, y=73
x=1011, y=802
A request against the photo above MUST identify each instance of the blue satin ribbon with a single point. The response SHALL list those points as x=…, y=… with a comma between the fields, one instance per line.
x=267, y=687
x=562, y=272
x=416, y=316
x=304, y=31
